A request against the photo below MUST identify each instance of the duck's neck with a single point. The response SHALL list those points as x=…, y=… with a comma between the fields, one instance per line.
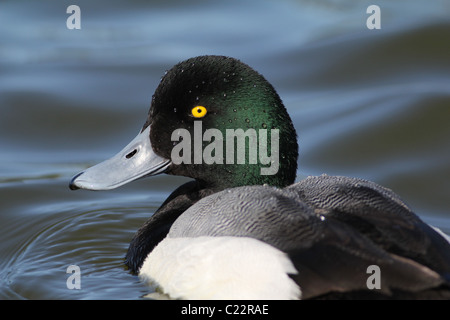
x=275, y=167
x=156, y=228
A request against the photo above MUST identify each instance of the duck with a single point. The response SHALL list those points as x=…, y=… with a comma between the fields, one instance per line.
x=243, y=228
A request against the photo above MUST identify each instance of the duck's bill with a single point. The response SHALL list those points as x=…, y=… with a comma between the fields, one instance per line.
x=135, y=161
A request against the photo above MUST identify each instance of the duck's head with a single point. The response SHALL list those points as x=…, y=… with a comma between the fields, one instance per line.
x=214, y=119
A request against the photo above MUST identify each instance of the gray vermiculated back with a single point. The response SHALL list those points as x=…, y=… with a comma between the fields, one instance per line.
x=276, y=216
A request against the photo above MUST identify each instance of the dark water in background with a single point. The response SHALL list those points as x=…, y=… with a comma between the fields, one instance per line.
x=373, y=104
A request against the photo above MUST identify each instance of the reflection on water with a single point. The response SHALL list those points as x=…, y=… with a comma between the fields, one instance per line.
x=367, y=103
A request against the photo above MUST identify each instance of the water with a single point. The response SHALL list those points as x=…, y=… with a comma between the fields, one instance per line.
x=373, y=104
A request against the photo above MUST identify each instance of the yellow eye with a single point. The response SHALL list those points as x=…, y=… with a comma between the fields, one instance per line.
x=199, y=111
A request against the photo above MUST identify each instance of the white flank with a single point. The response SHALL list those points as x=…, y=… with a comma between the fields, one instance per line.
x=220, y=268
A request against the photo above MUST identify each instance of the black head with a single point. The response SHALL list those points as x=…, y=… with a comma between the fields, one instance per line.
x=214, y=119
x=239, y=105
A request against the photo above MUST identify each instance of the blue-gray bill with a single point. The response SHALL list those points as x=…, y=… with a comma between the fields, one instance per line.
x=136, y=160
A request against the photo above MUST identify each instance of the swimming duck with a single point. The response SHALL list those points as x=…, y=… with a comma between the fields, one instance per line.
x=242, y=229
